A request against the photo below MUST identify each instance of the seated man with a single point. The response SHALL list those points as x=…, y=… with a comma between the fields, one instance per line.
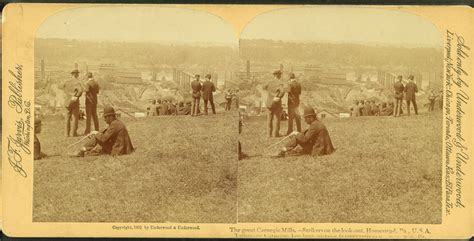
x=171, y=108
x=181, y=109
x=37, y=154
x=387, y=110
x=314, y=141
x=187, y=108
x=114, y=140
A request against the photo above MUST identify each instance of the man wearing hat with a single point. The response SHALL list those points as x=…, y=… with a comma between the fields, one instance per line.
x=37, y=154
x=182, y=109
x=114, y=140
x=228, y=98
x=207, y=93
x=399, y=89
x=164, y=107
x=73, y=91
x=92, y=89
x=196, y=93
x=314, y=141
x=410, y=90
x=151, y=109
x=274, y=105
x=294, y=92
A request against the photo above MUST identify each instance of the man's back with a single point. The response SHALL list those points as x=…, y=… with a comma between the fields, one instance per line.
x=92, y=89
x=164, y=109
x=274, y=99
x=207, y=89
x=398, y=86
x=72, y=88
x=294, y=92
x=196, y=86
x=411, y=89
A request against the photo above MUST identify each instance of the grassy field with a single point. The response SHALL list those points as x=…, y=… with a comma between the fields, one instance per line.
x=184, y=170
x=385, y=170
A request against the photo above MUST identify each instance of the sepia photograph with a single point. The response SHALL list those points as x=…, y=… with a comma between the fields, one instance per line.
x=236, y=121
x=341, y=117
x=135, y=116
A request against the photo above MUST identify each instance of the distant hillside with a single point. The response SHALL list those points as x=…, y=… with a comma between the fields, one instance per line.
x=136, y=53
x=355, y=55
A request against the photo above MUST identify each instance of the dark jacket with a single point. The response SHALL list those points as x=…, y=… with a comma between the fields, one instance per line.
x=72, y=88
x=183, y=110
x=163, y=110
x=316, y=140
x=115, y=139
x=92, y=89
x=207, y=89
x=196, y=87
x=273, y=102
x=399, y=88
x=410, y=90
x=294, y=92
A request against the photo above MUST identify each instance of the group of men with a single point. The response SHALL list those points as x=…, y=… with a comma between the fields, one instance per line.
x=113, y=140
x=168, y=107
x=74, y=89
x=409, y=91
x=370, y=108
x=313, y=141
x=274, y=104
x=205, y=90
x=394, y=108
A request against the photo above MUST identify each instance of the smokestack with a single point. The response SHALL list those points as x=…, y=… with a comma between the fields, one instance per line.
x=248, y=69
x=42, y=69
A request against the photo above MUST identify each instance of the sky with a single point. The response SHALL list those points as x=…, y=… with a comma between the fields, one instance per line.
x=344, y=24
x=142, y=24
x=309, y=24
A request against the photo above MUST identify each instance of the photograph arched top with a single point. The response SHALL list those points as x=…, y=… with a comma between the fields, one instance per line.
x=359, y=25
x=139, y=24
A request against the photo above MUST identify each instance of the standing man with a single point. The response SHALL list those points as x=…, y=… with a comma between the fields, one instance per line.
x=355, y=109
x=73, y=91
x=151, y=109
x=228, y=98
x=207, y=93
x=399, y=88
x=410, y=89
x=274, y=106
x=158, y=107
x=92, y=89
x=294, y=92
x=314, y=141
x=196, y=90
x=367, y=108
x=164, y=107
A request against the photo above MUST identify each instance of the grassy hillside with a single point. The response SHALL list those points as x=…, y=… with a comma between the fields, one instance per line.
x=184, y=170
x=385, y=170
